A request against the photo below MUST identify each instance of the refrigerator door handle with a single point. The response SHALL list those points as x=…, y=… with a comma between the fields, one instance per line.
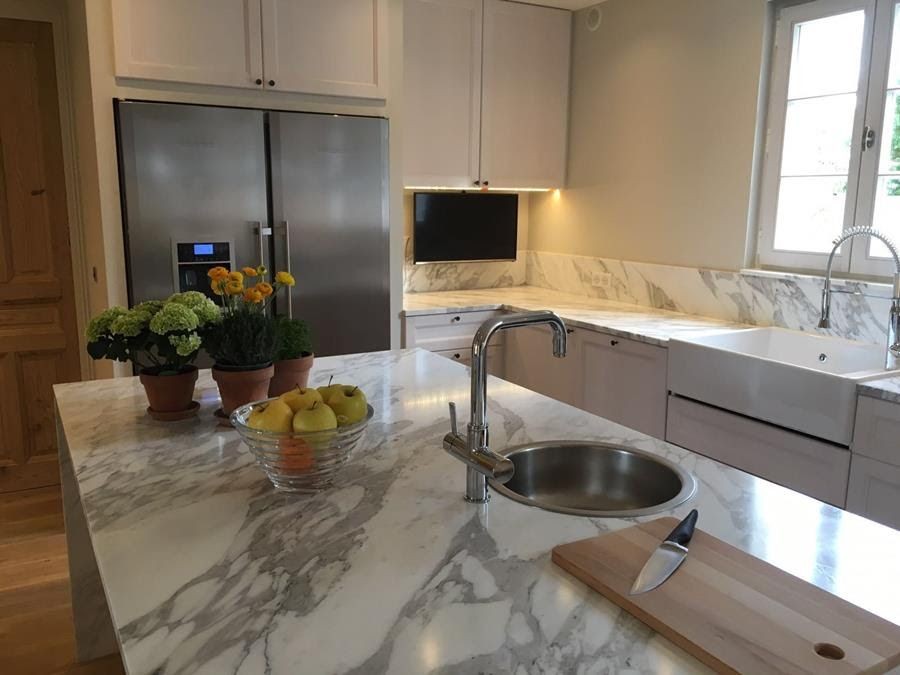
x=287, y=256
x=261, y=233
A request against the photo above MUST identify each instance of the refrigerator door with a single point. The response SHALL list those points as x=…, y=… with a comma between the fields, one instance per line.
x=330, y=206
x=193, y=191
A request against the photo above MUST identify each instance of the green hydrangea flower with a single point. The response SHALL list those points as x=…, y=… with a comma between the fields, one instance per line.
x=173, y=317
x=185, y=345
x=101, y=323
x=206, y=310
x=150, y=306
x=189, y=298
x=131, y=323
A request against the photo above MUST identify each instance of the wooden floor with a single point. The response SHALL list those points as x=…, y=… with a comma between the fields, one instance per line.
x=36, y=632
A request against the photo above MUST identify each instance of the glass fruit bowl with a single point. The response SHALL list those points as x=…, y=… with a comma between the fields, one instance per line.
x=299, y=462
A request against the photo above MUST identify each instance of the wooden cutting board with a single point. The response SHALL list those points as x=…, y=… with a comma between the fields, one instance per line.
x=734, y=612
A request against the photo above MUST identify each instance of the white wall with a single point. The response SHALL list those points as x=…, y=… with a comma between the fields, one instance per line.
x=92, y=56
x=661, y=136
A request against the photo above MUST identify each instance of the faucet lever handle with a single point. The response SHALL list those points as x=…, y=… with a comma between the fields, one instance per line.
x=453, y=427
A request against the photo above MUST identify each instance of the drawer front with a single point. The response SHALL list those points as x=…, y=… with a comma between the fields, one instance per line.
x=815, y=468
x=464, y=356
x=877, y=430
x=438, y=332
x=874, y=490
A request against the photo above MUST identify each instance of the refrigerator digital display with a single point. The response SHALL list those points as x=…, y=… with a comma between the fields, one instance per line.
x=458, y=226
x=203, y=249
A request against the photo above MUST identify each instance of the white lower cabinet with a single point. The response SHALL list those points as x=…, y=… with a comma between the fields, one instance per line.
x=804, y=464
x=464, y=356
x=874, y=490
x=619, y=379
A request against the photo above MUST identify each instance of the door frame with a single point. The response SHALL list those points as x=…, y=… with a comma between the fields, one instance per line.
x=48, y=11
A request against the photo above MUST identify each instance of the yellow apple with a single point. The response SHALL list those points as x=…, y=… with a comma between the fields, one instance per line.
x=349, y=404
x=273, y=416
x=300, y=398
x=327, y=391
x=317, y=418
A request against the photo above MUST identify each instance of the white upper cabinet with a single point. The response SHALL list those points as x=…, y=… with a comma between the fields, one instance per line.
x=525, y=101
x=486, y=91
x=333, y=47
x=442, y=99
x=198, y=41
x=330, y=47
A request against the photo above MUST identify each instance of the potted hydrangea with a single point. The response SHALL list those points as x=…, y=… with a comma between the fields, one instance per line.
x=244, y=344
x=162, y=338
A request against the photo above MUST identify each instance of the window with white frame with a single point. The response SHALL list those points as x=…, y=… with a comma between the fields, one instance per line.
x=832, y=158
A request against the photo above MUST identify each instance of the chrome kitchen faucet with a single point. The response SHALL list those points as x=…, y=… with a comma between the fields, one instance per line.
x=481, y=462
x=892, y=354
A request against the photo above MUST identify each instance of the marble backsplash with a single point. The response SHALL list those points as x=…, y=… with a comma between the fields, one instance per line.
x=753, y=297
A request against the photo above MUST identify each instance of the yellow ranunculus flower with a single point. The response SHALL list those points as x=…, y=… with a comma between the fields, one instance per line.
x=285, y=279
x=217, y=273
x=216, y=286
x=253, y=295
x=249, y=271
x=264, y=288
x=236, y=276
x=234, y=287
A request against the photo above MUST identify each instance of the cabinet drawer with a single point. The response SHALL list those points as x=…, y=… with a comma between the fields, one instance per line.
x=874, y=490
x=813, y=467
x=464, y=356
x=876, y=433
x=437, y=332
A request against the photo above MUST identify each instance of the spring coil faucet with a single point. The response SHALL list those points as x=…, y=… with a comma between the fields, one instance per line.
x=472, y=449
x=892, y=354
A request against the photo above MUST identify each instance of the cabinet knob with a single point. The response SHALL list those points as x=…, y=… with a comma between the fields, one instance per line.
x=271, y=83
x=486, y=183
x=613, y=343
x=455, y=319
x=258, y=80
x=477, y=182
x=569, y=331
x=456, y=356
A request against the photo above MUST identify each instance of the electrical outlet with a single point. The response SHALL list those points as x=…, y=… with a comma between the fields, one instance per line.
x=601, y=279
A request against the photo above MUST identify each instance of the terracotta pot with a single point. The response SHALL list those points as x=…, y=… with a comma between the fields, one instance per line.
x=171, y=396
x=291, y=373
x=239, y=387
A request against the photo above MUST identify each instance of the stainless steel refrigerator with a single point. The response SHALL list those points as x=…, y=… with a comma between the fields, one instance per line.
x=204, y=186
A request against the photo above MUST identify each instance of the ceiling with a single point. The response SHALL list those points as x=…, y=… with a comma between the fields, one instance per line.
x=564, y=4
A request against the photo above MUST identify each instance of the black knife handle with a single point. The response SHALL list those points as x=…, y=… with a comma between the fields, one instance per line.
x=684, y=530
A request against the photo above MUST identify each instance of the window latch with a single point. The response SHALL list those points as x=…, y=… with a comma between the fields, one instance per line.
x=868, y=138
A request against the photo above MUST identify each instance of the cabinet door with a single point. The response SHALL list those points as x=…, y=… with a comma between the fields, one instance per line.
x=874, y=490
x=624, y=381
x=334, y=47
x=464, y=356
x=529, y=362
x=525, y=95
x=441, y=92
x=215, y=42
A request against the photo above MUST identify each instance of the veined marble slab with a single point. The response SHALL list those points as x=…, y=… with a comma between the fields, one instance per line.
x=208, y=570
x=887, y=389
x=635, y=322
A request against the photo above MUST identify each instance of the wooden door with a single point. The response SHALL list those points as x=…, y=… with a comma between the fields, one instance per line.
x=38, y=334
x=525, y=99
x=441, y=92
x=217, y=42
x=625, y=381
x=334, y=47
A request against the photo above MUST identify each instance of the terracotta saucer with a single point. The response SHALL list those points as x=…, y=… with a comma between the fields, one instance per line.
x=223, y=419
x=176, y=415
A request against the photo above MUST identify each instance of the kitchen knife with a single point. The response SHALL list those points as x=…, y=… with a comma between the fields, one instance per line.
x=663, y=562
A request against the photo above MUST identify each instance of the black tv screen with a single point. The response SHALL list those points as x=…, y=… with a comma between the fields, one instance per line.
x=451, y=226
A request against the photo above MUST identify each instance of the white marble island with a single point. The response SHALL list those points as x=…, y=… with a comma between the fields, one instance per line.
x=206, y=569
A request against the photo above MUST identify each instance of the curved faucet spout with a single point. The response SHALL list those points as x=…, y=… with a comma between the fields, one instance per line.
x=473, y=450
x=892, y=355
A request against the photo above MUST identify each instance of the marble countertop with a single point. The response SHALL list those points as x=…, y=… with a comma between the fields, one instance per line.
x=654, y=326
x=207, y=569
x=887, y=389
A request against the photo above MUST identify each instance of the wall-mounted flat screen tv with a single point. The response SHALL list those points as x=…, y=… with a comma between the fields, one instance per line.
x=451, y=226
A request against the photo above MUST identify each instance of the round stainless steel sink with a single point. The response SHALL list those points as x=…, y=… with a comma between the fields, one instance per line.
x=594, y=479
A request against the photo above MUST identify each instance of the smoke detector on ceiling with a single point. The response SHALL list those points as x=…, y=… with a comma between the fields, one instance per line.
x=593, y=18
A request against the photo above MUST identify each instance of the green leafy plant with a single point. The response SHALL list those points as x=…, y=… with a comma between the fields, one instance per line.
x=294, y=339
x=245, y=338
x=161, y=337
